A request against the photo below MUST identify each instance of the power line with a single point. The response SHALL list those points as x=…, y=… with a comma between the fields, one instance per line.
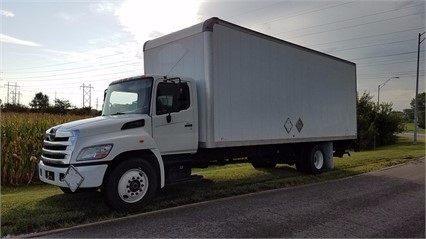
x=254, y=10
x=75, y=72
x=358, y=25
x=369, y=36
x=390, y=63
x=304, y=13
x=346, y=20
x=108, y=79
x=74, y=68
x=365, y=46
x=388, y=73
x=71, y=78
x=387, y=60
x=397, y=54
x=65, y=63
x=375, y=77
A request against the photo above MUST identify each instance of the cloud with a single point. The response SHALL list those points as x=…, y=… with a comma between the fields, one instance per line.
x=146, y=18
x=16, y=41
x=70, y=17
x=6, y=13
x=103, y=7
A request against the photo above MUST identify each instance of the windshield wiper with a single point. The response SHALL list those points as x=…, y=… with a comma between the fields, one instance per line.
x=119, y=113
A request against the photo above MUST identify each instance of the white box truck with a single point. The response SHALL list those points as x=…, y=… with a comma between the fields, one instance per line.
x=211, y=92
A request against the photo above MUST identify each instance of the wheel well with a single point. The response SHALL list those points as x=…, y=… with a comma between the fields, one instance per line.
x=146, y=155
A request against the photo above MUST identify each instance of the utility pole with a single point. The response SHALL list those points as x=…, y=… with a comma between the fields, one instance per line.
x=12, y=93
x=15, y=94
x=87, y=95
x=19, y=97
x=7, y=94
x=417, y=88
x=97, y=102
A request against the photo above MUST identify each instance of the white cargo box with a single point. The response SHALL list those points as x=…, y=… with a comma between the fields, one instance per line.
x=254, y=89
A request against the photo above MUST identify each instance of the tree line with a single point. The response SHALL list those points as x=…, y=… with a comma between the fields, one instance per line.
x=377, y=124
x=40, y=104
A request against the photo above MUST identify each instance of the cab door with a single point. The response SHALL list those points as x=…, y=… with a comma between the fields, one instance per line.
x=173, y=117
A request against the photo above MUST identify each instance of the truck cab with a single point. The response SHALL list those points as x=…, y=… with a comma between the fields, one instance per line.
x=143, y=119
x=170, y=104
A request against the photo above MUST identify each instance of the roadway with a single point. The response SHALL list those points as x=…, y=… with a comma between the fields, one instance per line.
x=386, y=203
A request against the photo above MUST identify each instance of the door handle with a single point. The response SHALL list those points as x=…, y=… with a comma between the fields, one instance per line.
x=188, y=125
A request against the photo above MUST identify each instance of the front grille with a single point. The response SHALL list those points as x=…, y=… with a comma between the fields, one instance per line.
x=58, y=145
x=57, y=139
x=54, y=156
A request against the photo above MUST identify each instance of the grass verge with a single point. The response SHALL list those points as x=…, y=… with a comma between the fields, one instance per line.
x=43, y=207
x=409, y=128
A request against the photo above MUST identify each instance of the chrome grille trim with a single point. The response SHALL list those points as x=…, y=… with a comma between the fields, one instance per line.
x=55, y=138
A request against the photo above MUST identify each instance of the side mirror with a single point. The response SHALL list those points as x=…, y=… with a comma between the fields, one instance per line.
x=105, y=93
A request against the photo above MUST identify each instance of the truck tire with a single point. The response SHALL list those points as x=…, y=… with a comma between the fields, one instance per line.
x=315, y=160
x=312, y=160
x=130, y=185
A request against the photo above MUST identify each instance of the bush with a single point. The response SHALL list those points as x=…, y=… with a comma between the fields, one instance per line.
x=387, y=123
x=377, y=126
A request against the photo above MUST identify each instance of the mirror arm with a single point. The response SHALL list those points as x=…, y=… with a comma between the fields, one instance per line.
x=169, y=118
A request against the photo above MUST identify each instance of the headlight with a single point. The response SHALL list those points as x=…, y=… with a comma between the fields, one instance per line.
x=94, y=152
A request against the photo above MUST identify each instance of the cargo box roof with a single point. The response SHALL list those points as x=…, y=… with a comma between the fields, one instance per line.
x=208, y=24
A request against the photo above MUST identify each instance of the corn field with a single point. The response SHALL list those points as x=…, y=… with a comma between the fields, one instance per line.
x=21, y=144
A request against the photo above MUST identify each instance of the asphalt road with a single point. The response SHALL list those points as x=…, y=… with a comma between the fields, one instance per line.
x=387, y=203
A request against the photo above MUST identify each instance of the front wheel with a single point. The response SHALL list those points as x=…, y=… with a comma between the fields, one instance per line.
x=130, y=185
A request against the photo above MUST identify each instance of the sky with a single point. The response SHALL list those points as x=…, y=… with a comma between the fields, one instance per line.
x=67, y=48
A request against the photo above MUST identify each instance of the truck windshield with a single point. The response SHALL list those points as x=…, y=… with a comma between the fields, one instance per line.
x=128, y=97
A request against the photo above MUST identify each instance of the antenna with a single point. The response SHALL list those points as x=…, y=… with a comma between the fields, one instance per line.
x=177, y=63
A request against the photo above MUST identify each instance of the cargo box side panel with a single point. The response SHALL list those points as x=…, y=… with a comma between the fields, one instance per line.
x=269, y=92
x=182, y=57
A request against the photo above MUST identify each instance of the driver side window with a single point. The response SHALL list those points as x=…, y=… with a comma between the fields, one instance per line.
x=172, y=97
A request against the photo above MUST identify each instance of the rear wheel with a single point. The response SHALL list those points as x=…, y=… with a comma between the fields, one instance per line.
x=130, y=185
x=315, y=160
x=312, y=160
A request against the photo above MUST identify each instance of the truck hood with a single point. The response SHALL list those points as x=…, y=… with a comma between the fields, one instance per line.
x=100, y=124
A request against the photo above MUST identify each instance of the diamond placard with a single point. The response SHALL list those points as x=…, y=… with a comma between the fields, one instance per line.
x=299, y=125
x=73, y=178
x=288, y=125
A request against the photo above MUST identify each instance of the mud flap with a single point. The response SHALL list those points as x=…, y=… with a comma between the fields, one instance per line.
x=328, y=151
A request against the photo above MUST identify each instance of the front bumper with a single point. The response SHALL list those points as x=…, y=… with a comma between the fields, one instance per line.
x=93, y=175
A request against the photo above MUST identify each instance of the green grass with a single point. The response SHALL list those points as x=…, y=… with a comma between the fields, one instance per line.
x=43, y=207
x=409, y=128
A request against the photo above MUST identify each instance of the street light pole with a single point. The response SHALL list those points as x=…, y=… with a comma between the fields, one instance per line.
x=417, y=89
x=378, y=104
x=381, y=86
